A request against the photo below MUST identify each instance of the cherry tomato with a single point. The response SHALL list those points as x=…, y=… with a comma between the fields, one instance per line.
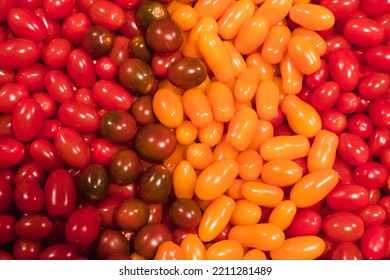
x=372, y=215
x=58, y=85
x=106, y=14
x=7, y=228
x=17, y=53
x=25, y=24
x=74, y=26
x=24, y=249
x=33, y=227
x=111, y=242
x=81, y=68
x=364, y=32
x=111, y=96
x=29, y=197
x=347, y=197
x=346, y=251
x=343, y=227
x=378, y=58
x=61, y=251
x=374, y=243
x=353, y=149
x=379, y=112
x=371, y=175
x=305, y=222
x=5, y=195
x=10, y=95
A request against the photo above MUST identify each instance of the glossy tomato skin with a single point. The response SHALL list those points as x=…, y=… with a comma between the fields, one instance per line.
x=346, y=251
x=374, y=243
x=25, y=24
x=325, y=96
x=72, y=148
x=74, y=26
x=81, y=68
x=18, y=53
x=107, y=207
x=185, y=213
x=7, y=228
x=31, y=172
x=125, y=167
x=340, y=9
x=142, y=110
x=371, y=175
x=59, y=251
x=58, y=85
x=111, y=96
x=106, y=14
x=374, y=85
x=343, y=227
x=344, y=69
x=347, y=197
x=27, y=118
x=5, y=195
x=10, y=95
x=102, y=151
x=60, y=194
x=53, y=27
x=111, y=242
x=12, y=152
x=58, y=9
x=155, y=184
x=97, y=41
x=364, y=32
x=353, y=149
x=378, y=140
x=378, y=57
x=45, y=155
x=132, y=214
x=149, y=237
x=305, y=222
x=83, y=226
x=333, y=120
x=118, y=126
x=33, y=227
x=47, y=103
x=360, y=125
x=29, y=197
x=79, y=116
x=379, y=112
x=372, y=215
x=93, y=181
x=24, y=249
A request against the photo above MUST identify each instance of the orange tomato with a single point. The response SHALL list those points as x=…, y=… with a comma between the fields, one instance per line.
x=267, y=100
x=263, y=69
x=313, y=187
x=274, y=10
x=221, y=100
x=299, y=248
x=185, y=16
x=168, y=108
x=197, y=107
x=193, y=248
x=262, y=194
x=285, y=147
x=245, y=85
x=211, y=134
x=199, y=155
x=251, y=34
x=186, y=133
x=262, y=236
x=224, y=150
x=250, y=164
x=215, y=9
x=225, y=250
x=323, y=150
x=245, y=213
x=183, y=180
x=292, y=77
x=215, y=179
x=168, y=250
x=302, y=118
x=176, y=157
x=318, y=42
x=304, y=54
x=275, y=45
x=263, y=130
x=236, y=57
x=283, y=214
x=235, y=189
x=215, y=218
x=312, y=16
x=281, y=172
x=254, y=254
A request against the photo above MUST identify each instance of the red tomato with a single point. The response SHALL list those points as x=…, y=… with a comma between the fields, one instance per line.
x=81, y=69
x=318, y=77
x=5, y=7
x=102, y=151
x=74, y=26
x=347, y=103
x=374, y=85
x=353, y=149
x=58, y=9
x=60, y=194
x=346, y=251
x=7, y=228
x=25, y=24
x=49, y=129
x=10, y=95
x=47, y=103
x=4, y=255
x=343, y=227
x=5, y=195
x=6, y=76
x=17, y=53
x=53, y=27
x=374, y=8
x=360, y=125
x=305, y=222
x=33, y=227
x=83, y=226
x=364, y=32
x=379, y=112
x=29, y=197
x=55, y=53
x=111, y=96
x=325, y=96
x=347, y=197
x=333, y=120
x=106, y=14
x=371, y=175
x=385, y=157
x=340, y=9
x=31, y=172
x=27, y=118
x=335, y=42
x=45, y=155
x=12, y=152
x=72, y=148
x=23, y=249
x=59, y=252
x=127, y=4
x=344, y=68
x=33, y=77
x=378, y=58
x=372, y=215
x=107, y=208
x=130, y=28
x=106, y=68
x=378, y=140
x=59, y=86
x=122, y=191
x=79, y=116
x=385, y=203
x=384, y=21
x=374, y=243
x=5, y=126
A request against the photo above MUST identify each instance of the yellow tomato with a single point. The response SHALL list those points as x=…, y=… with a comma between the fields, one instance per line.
x=263, y=130
x=235, y=189
x=224, y=150
x=186, y=133
x=292, y=77
x=263, y=69
x=236, y=57
x=318, y=42
x=199, y=155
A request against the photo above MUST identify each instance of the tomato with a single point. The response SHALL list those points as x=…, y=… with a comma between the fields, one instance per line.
x=45, y=155
x=74, y=26
x=149, y=12
x=360, y=125
x=59, y=251
x=5, y=195
x=364, y=32
x=10, y=95
x=340, y=9
x=111, y=96
x=29, y=197
x=18, y=53
x=187, y=72
x=378, y=57
x=185, y=213
x=299, y=248
x=118, y=126
x=155, y=184
x=164, y=36
x=379, y=112
x=106, y=14
x=23, y=249
x=132, y=214
x=82, y=226
x=97, y=41
x=343, y=227
x=6, y=76
x=378, y=141
x=353, y=149
x=58, y=9
x=372, y=215
x=346, y=251
x=305, y=222
x=31, y=172
x=325, y=96
x=27, y=118
x=53, y=27
x=347, y=102
x=107, y=207
x=374, y=243
x=374, y=85
x=25, y=24
x=33, y=227
x=59, y=86
x=7, y=228
x=81, y=68
x=125, y=167
x=149, y=237
x=92, y=182
x=347, y=197
x=47, y=103
x=374, y=8
x=4, y=255
x=344, y=69
x=105, y=68
x=111, y=242
x=60, y=194
x=371, y=175
x=79, y=116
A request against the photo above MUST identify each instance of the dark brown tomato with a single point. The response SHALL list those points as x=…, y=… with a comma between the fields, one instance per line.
x=136, y=76
x=125, y=167
x=155, y=142
x=150, y=11
x=142, y=110
x=187, y=72
x=155, y=184
x=97, y=41
x=139, y=48
x=132, y=214
x=110, y=242
x=93, y=181
x=107, y=207
x=185, y=213
x=118, y=126
x=149, y=237
x=164, y=36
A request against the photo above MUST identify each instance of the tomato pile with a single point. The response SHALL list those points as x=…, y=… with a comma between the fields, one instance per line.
x=226, y=129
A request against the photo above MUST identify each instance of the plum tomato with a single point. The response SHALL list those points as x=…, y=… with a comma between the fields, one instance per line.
x=142, y=110
x=379, y=112
x=17, y=53
x=187, y=72
x=93, y=181
x=305, y=222
x=374, y=242
x=346, y=251
x=24, y=249
x=97, y=41
x=7, y=228
x=33, y=227
x=343, y=227
x=150, y=11
x=164, y=36
x=29, y=197
x=118, y=126
x=60, y=251
x=132, y=214
x=12, y=152
x=82, y=226
x=371, y=174
x=372, y=215
x=185, y=213
x=5, y=195
x=347, y=197
x=360, y=125
x=125, y=167
x=155, y=184
x=107, y=14
x=353, y=149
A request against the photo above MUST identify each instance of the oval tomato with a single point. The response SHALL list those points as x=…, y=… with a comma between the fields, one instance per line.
x=33, y=227
x=25, y=24
x=12, y=152
x=343, y=227
x=17, y=53
x=81, y=68
x=347, y=197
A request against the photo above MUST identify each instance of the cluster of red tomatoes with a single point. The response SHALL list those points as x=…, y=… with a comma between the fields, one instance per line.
x=88, y=151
